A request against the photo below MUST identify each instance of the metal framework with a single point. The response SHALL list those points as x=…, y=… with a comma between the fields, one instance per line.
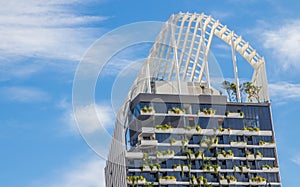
x=180, y=53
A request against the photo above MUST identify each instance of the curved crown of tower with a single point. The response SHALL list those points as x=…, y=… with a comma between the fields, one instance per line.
x=178, y=59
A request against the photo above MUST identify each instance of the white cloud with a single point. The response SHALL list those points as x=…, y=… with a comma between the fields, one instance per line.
x=87, y=123
x=24, y=94
x=221, y=15
x=84, y=173
x=284, y=91
x=285, y=43
x=45, y=29
x=296, y=159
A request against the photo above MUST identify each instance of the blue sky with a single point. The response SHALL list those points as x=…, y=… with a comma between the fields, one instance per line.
x=42, y=43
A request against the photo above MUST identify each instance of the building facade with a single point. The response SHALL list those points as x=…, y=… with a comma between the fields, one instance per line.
x=177, y=129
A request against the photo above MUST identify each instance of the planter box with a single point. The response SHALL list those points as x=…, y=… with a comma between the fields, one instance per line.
x=250, y=157
x=270, y=169
x=255, y=183
x=195, y=182
x=148, y=143
x=205, y=115
x=167, y=181
x=180, y=113
x=249, y=133
x=147, y=168
x=222, y=157
x=178, y=168
x=225, y=182
x=192, y=156
x=205, y=145
x=238, y=144
x=165, y=156
x=244, y=169
x=147, y=113
x=258, y=157
x=268, y=145
x=178, y=143
x=234, y=115
x=138, y=182
x=213, y=170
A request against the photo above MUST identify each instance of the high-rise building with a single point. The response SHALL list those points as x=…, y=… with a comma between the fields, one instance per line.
x=178, y=128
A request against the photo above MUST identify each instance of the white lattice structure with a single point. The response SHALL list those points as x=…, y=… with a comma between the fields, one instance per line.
x=180, y=53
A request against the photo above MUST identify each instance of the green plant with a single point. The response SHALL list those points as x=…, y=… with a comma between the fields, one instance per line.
x=241, y=168
x=215, y=140
x=135, y=179
x=258, y=179
x=198, y=128
x=211, y=111
x=168, y=178
x=256, y=129
x=146, y=109
x=267, y=166
x=201, y=179
x=215, y=167
x=244, y=128
x=261, y=142
x=157, y=166
x=223, y=152
x=248, y=153
x=163, y=153
x=206, y=167
x=172, y=141
x=258, y=153
x=227, y=113
x=251, y=90
x=184, y=141
x=188, y=153
x=242, y=114
x=200, y=153
x=163, y=127
x=221, y=129
x=151, y=166
x=230, y=178
x=176, y=110
x=230, y=153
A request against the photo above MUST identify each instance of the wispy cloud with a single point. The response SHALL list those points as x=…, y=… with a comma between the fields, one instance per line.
x=296, y=159
x=84, y=173
x=221, y=15
x=45, y=29
x=23, y=94
x=88, y=125
x=284, y=91
x=284, y=41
